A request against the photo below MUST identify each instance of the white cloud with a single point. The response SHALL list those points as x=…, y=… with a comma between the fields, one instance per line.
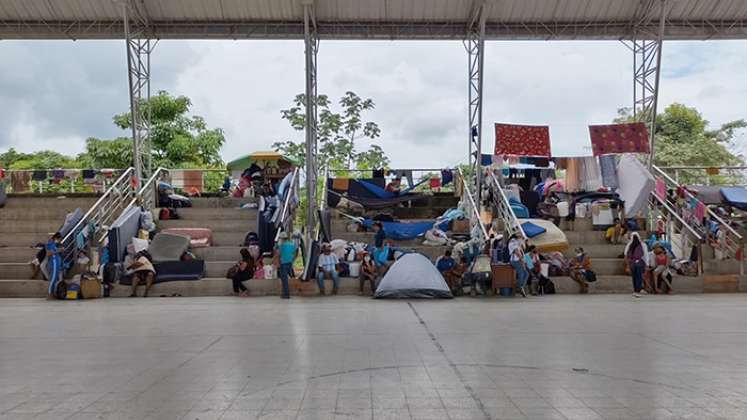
x=58, y=93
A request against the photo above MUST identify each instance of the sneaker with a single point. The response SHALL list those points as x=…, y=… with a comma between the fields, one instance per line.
x=321, y=292
x=643, y=292
x=523, y=292
x=636, y=295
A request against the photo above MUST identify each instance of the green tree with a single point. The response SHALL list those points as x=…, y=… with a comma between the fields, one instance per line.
x=44, y=159
x=177, y=139
x=337, y=133
x=683, y=138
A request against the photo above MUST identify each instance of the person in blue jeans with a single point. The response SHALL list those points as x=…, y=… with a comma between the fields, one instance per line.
x=635, y=254
x=287, y=253
x=327, y=266
x=54, y=263
x=515, y=249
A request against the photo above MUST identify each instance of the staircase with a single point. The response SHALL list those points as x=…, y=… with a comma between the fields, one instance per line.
x=25, y=221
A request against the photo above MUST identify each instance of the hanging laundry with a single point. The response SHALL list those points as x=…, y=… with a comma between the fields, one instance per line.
x=39, y=175
x=2, y=173
x=89, y=176
x=608, y=166
x=446, y=177
x=71, y=173
x=19, y=181
x=619, y=138
x=378, y=173
x=405, y=174
x=435, y=183
x=712, y=171
x=522, y=140
x=591, y=176
x=572, y=175
x=486, y=160
x=107, y=173
x=700, y=210
x=561, y=163
x=540, y=162
x=57, y=176
x=193, y=181
x=661, y=189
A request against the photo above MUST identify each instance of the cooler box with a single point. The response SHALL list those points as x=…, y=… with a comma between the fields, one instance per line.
x=601, y=215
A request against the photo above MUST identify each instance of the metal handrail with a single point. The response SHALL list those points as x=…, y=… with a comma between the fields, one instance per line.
x=710, y=212
x=514, y=227
x=100, y=212
x=471, y=203
x=148, y=186
x=286, y=205
x=684, y=226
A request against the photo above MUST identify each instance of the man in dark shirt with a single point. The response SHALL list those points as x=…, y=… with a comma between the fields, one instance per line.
x=380, y=234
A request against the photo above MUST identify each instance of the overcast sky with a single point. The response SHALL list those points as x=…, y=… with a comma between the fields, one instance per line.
x=54, y=94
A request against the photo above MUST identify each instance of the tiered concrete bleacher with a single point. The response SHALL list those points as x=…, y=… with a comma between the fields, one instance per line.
x=26, y=220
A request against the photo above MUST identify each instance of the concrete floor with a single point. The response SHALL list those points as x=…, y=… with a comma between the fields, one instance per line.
x=574, y=357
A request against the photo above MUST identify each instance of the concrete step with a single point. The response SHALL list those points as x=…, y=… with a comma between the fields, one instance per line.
x=206, y=213
x=23, y=239
x=17, y=270
x=608, y=266
x=30, y=226
x=596, y=250
x=216, y=225
x=16, y=254
x=228, y=238
x=218, y=253
x=37, y=213
x=35, y=201
x=587, y=237
x=220, y=202
x=713, y=266
x=218, y=286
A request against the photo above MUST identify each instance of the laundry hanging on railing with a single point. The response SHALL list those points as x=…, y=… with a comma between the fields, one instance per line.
x=522, y=140
x=608, y=166
x=612, y=139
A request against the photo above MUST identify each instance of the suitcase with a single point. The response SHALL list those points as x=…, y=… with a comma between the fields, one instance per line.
x=503, y=276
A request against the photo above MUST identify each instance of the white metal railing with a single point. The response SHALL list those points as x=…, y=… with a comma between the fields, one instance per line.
x=471, y=208
x=286, y=214
x=730, y=243
x=511, y=223
x=674, y=224
x=103, y=212
x=148, y=193
x=725, y=175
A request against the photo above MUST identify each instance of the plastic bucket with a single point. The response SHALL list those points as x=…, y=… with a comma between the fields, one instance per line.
x=269, y=271
x=355, y=268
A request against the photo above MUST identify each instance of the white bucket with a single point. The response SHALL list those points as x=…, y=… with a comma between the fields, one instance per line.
x=355, y=268
x=269, y=271
x=563, y=209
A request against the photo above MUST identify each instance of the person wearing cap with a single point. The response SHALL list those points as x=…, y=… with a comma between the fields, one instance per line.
x=287, y=252
x=327, y=266
x=367, y=273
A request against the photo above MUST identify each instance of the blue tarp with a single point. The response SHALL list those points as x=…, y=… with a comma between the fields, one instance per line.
x=532, y=230
x=376, y=190
x=402, y=231
x=735, y=196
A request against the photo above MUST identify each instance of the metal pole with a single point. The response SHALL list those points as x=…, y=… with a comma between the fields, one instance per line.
x=137, y=163
x=310, y=51
x=660, y=42
x=480, y=63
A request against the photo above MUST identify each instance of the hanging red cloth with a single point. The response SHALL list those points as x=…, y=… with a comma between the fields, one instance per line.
x=522, y=140
x=619, y=138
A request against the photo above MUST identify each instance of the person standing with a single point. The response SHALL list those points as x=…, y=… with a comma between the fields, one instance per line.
x=288, y=251
x=378, y=227
x=635, y=254
x=327, y=266
x=54, y=263
x=517, y=262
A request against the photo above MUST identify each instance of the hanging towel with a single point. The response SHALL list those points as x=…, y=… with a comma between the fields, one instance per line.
x=608, y=167
x=435, y=182
x=486, y=160
x=405, y=174
x=89, y=176
x=340, y=184
x=71, y=173
x=58, y=173
x=661, y=189
x=619, y=138
x=80, y=240
x=522, y=140
x=700, y=210
x=591, y=176
x=2, y=173
x=712, y=171
x=39, y=176
x=446, y=177
x=19, y=181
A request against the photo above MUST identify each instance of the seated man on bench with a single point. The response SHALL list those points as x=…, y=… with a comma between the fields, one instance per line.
x=327, y=266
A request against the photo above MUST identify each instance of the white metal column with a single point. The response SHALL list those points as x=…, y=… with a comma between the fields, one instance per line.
x=475, y=45
x=311, y=43
x=139, y=48
x=647, y=49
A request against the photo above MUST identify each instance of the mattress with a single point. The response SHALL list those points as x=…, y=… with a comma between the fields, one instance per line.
x=707, y=194
x=168, y=247
x=636, y=184
x=531, y=230
x=174, y=271
x=198, y=237
x=553, y=239
x=735, y=196
x=122, y=231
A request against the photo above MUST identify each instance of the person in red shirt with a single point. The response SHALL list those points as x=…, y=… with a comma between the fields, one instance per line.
x=394, y=186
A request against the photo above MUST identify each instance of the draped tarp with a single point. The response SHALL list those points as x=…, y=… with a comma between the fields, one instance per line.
x=406, y=230
x=612, y=139
x=522, y=140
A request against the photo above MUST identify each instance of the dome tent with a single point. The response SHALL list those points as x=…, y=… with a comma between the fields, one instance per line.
x=413, y=276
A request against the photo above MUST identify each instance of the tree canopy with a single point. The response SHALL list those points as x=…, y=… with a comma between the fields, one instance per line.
x=337, y=133
x=683, y=138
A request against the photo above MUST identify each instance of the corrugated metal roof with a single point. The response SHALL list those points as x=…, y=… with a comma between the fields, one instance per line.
x=391, y=19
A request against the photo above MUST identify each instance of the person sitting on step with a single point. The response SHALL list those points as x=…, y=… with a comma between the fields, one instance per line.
x=327, y=266
x=367, y=273
x=579, y=265
x=141, y=270
x=615, y=233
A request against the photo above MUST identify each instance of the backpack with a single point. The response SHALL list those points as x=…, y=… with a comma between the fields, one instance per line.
x=590, y=276
x=164, y=214
x=549, y=288
x=60, y=291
